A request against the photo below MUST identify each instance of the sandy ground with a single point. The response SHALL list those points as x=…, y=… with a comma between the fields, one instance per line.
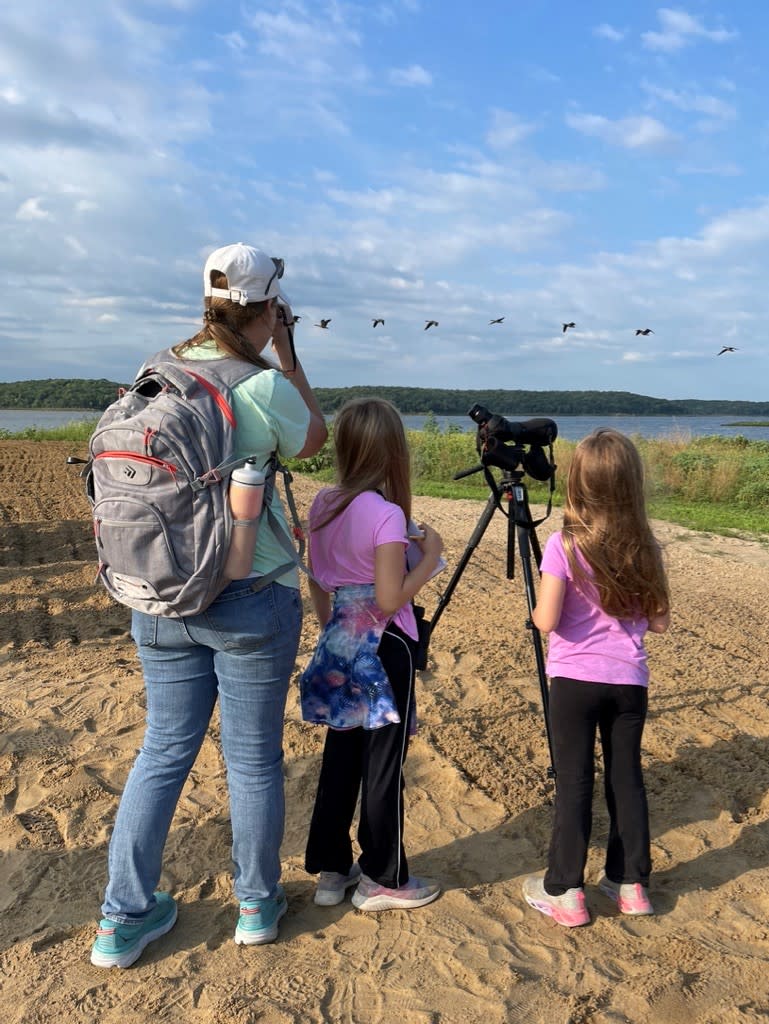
x=478, y=808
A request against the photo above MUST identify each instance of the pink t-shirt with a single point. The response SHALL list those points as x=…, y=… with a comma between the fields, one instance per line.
x=343, y=551
x=588, y=644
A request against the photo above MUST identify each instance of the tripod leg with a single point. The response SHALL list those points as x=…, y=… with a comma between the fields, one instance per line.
x=475, y=539
x=525, y=549
x=511, y=529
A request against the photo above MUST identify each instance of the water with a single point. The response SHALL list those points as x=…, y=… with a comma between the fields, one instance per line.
x=20, y=419
x=572, y=428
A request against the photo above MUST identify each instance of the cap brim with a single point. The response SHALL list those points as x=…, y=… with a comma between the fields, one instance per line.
x=282, y=298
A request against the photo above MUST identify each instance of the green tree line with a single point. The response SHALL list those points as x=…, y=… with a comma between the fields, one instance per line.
x=97, y=394
x=58, y=393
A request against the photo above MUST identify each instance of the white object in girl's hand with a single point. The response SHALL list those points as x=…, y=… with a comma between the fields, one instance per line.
x=414, y=554
x=414, y=532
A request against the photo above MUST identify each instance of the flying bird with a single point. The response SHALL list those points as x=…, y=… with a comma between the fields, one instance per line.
x=377, y=320
x=727, y=348
x=324, y=324
x=646, y=331
x=430, y=323
x=567, y=326
x=497, y=321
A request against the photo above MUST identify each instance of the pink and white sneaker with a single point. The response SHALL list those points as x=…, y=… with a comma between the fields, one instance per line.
x=417, y=892
x=568, y=909
x=631, y=898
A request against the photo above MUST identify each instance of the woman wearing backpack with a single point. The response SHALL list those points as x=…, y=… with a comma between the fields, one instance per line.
x=239, y=651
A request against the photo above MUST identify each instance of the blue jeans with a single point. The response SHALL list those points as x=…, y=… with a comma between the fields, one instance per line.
x=242, y=650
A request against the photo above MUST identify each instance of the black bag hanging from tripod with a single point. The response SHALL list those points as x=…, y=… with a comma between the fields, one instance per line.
x=424, y=631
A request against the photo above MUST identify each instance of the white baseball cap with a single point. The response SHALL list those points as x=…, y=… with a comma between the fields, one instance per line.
x=252, y=275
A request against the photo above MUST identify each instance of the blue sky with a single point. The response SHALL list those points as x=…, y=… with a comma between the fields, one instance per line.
x=547, y=161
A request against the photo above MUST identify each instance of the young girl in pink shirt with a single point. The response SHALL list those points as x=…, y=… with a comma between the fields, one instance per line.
x=603, y=586
x=360, y=681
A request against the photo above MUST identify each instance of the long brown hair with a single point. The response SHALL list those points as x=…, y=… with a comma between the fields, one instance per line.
x=605, y=520
x=224, y=323
x=371, y=454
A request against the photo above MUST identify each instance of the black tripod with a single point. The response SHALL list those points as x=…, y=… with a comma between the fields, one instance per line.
x=521, y=526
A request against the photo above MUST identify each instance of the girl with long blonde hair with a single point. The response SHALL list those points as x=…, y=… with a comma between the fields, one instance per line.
x=603, y=586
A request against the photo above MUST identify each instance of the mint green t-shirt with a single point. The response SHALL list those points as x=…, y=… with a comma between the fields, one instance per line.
x=271, y=416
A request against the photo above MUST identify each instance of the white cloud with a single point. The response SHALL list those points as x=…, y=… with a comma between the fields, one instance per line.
x=638, y=357
x=726, y=84
x=389, y=13
x=736, y=229
x=75, y=245
x=410, y=76
x=10, y=94
x=507, y=129
x=702, y=103
x=641, y=132
x=235, y=42
x=446, y=211
x=31, y=209
x=727, y=169
x=94, y=302
x=31, y=123
x=179, y=5
x=679, y=29
x=318, y=45
x=545, y=75
x=307, y=67
x=605, y=31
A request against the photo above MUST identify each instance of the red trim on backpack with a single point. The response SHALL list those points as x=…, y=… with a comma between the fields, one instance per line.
x=159, y=463
x=217, y=396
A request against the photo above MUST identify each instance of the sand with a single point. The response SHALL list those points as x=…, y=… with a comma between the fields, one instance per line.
x=478, y=807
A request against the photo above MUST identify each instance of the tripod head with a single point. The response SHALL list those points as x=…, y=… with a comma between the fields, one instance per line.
x=513, y=447
x=516, y=449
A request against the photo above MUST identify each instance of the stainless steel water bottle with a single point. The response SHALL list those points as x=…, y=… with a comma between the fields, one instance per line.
x=246, y=495
x=246, y=491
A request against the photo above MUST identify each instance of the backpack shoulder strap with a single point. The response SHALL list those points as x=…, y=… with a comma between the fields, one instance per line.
x=226, y=371
x=296, y=554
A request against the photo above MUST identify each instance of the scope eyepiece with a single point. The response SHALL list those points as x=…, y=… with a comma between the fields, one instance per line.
x=539, y=431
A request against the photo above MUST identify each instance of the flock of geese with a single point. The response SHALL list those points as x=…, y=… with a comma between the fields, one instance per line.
x=376, y=321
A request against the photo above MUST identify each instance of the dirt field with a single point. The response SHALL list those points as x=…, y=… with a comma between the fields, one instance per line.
x=478, y=808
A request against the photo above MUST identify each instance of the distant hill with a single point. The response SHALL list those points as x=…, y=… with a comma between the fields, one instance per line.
x=538, y=403
x=74, y=393
x=58, y=393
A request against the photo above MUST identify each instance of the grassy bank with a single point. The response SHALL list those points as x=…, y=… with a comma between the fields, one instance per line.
x=714, y=484
x=77, y=430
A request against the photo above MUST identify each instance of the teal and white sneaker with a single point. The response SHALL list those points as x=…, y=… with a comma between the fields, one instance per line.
x=258, y=921
x=120, y=945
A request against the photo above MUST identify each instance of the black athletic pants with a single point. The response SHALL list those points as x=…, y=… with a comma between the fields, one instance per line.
x=618, y=712
x=369, y=762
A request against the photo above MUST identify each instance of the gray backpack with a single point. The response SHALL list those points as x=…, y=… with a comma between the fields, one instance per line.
x=157, y=478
